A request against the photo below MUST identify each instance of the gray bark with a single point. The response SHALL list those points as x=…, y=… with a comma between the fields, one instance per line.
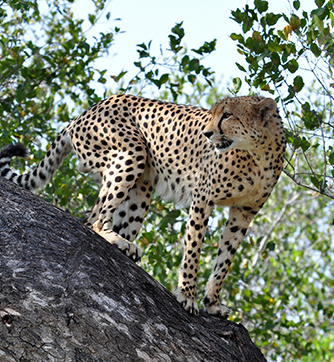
x=68, y=295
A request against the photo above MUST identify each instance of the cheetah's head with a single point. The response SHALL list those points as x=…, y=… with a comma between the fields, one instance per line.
x=239, y=122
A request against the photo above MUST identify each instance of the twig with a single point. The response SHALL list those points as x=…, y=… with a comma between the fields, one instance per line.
x=273, y=226
x=321, y=192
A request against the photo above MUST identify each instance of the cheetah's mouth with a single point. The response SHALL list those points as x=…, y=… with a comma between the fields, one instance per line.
x=223, y=145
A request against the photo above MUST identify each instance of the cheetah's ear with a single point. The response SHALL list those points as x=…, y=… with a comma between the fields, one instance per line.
x=267, y=107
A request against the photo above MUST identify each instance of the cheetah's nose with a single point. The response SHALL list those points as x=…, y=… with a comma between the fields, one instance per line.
x=208, y=134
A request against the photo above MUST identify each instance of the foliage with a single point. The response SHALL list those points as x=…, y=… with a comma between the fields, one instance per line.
x=281, y=281
x=276, y=48
x=282, y=288
x=47, y=69
x=180, y=68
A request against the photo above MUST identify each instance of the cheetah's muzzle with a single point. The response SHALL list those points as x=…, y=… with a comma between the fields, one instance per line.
x=220, y=146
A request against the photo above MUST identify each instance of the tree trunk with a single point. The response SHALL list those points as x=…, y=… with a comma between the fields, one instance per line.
x=68, y=295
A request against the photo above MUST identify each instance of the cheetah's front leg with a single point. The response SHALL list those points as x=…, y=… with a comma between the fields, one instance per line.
x=196, y=226
x=235, y=229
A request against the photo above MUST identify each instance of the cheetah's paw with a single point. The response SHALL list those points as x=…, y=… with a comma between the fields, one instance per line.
x=218, y=310
x=188, y=304
x=129, y=249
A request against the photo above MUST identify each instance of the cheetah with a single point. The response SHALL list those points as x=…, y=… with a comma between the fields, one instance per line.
x=230, y=156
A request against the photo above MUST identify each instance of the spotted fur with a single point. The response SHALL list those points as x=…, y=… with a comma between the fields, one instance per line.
x=231, y=156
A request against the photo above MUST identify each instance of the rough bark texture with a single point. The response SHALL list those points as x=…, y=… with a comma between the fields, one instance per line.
x=68, y=295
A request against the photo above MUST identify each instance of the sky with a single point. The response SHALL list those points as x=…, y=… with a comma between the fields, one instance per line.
x=145, y=20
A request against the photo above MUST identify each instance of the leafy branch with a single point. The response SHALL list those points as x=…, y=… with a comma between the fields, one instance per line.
x=182, y=68
x=275, y=54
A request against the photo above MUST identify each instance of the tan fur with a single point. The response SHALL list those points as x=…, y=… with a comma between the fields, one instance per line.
x=232, y=156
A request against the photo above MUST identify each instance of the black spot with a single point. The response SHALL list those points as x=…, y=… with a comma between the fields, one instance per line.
x=129, y=178
x=133, y=207
x=234, y=229
x=247, y=208
x=120, y=195
x=42, y=176
x=240, y=187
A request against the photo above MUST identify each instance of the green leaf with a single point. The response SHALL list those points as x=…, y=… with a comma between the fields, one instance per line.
x=238, y=37
x=261, y=6
x=237, y=82
x=193, y=65
x=177, y=29
x=272, y=18
x=321, y=12
x=192, y=78
x=315, y=181
x=298, y=83
x=92, y=18
x=319, y=23
x=185, y=61
x=164, y=78
x=139, y=65
x=207, y=48
x=174, y=214
x=143, y=46
x=312, y=120
x=296, y=4
x=304, y=144
x=274, y=47
x=292, y=65
x=331, y=158
x=319, y=3
x=271, y=246
x=119, y=76
x=240, y=67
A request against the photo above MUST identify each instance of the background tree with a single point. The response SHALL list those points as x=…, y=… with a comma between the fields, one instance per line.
x=281, y=282
x=280, y=49
x=291, y=56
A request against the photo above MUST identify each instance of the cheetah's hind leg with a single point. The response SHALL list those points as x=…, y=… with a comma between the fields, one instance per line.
x=129, y=216
x=117, y=195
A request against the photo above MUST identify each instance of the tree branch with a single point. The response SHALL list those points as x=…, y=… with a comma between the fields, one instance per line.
x=307, y=186
x=68, y=295
x=273, y=226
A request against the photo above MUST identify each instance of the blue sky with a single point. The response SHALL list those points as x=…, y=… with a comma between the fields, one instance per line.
x=145, y=20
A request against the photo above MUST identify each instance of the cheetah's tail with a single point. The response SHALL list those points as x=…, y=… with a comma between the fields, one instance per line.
x=37, y=178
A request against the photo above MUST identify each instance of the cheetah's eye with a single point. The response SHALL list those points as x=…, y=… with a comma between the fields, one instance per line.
x=226, y=116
